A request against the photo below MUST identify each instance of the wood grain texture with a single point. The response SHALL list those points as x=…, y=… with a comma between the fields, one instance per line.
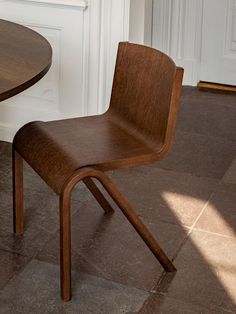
x=25, y=57
x=138, y=128
x=216, y=87
x=98, y=196
x=17, y=169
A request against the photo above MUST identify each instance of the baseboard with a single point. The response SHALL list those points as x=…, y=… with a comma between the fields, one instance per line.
x=216, y=87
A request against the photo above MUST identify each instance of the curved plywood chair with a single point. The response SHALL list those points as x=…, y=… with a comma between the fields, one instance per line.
x=137, y=128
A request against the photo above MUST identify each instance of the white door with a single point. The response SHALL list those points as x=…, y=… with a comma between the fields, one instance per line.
x=218, y=57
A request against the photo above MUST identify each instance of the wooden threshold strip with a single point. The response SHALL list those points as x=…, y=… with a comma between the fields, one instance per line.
x=216, y=87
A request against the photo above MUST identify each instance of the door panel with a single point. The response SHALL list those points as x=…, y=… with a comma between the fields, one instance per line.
x=218, y=58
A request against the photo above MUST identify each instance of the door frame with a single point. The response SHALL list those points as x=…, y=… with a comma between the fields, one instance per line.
x=177, y=30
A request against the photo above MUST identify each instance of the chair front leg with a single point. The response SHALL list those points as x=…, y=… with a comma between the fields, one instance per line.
x=17, y=173
x=65, y=245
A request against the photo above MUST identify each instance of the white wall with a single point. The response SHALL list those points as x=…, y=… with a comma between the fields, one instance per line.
x=174, y=27
x=84, y=36
x=141, y=21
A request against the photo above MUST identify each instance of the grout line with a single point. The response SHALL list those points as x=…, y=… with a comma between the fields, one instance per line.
x=164, y=273
x=181, y=172
x=181, y=245
x=154, y=289
x=225, y=138
x=14, y=252
x=204, y=207
x=214, y=233
x=17, y=273
x=189, y=231
x=192, y=228
x=228, y=169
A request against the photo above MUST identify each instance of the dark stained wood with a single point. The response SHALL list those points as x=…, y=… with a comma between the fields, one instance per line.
x=135, y=221
x=98, y=195
x=65, y=246
x=18, y=193
x=138, y=128
x=25, y=57
x=217, y=87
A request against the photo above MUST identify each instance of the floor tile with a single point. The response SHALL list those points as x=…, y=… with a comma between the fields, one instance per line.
x=219, y=215
x=161, y=304
x=193, y=94
x=41, y=221
x=204, y=113
x=5, y=164
x=160, y=195
x=109, y=247
x=200, y=155
x=5, y=151
x=230, y=175
x=168, y=196
x=36, y=290
x=206, y=273
x=11, y=264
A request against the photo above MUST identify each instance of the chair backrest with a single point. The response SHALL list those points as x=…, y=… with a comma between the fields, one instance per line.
x=146, y=91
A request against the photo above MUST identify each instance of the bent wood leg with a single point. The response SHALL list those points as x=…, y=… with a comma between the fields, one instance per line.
x=65, y=246
x=65, y=225
x=98, y=195
x=17, y=173
x=125, y=208
x=137, y=223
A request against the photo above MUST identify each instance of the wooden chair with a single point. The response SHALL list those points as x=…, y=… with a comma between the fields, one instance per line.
x=137, y=129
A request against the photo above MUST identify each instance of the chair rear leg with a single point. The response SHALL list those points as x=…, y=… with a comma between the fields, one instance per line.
x=65, y=246
x=137, y=224
x=98, y=195
x=17, y=173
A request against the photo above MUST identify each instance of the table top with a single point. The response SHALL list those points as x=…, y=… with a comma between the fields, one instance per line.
x=25, y=57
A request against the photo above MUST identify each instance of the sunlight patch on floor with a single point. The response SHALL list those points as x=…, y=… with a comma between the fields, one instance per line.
x=216, y=251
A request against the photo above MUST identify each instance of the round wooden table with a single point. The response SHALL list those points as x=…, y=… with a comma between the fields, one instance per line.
x=25, y=57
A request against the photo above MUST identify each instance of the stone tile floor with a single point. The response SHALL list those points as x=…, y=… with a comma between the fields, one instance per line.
x=188, y=202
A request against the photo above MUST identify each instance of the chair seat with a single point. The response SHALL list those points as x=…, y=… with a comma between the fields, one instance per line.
x=56, y=149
